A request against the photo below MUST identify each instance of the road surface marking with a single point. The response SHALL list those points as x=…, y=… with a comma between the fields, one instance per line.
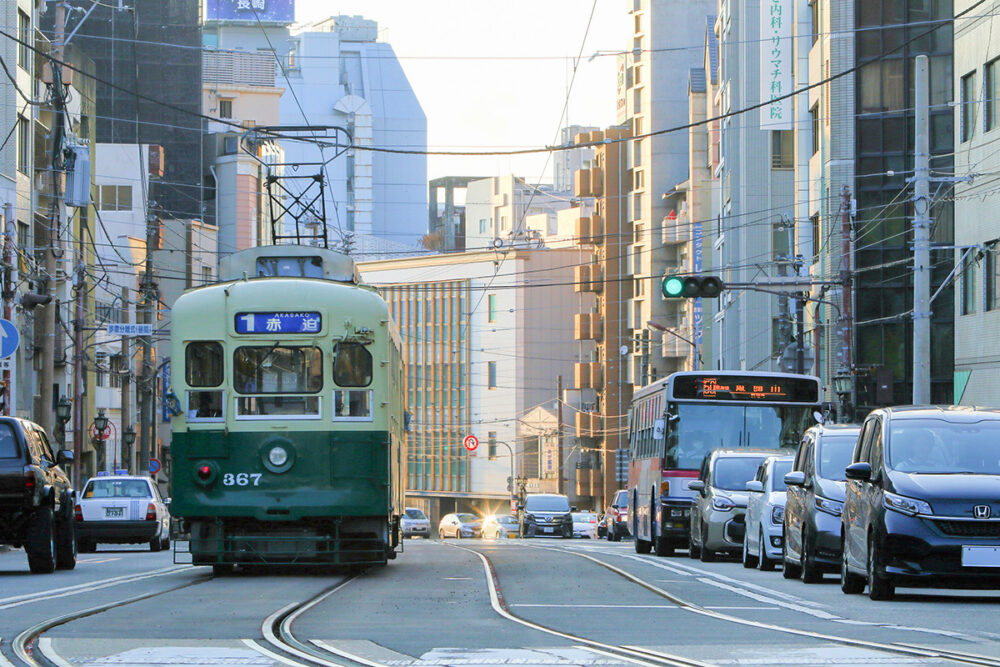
x=270, y=654
x=600, y=606
x=17, y=600
x=45, y=646
x=818, y=613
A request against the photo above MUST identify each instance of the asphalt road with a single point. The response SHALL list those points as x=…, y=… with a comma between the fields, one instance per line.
x=549, y=603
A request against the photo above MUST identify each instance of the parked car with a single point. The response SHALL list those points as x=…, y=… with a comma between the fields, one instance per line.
x=414, y=523
x=762, y=540
x=922, y=506
x=602, y=528
x=36, y=498
x=500, y=527
x=720, y=501
x=815, y=501
x=122, y=509
x=459, y=525
x=616, y=517
x=585, y=525
x=546, y=514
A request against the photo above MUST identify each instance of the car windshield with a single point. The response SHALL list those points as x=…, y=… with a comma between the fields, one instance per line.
x=415, y=514
x=467, y=518
x=778, y=474
x=698, y=429
x=732, y=473
x=547, y=504
x=835, y=454
x=117, y=488
x=508, y=519
x=936, y=446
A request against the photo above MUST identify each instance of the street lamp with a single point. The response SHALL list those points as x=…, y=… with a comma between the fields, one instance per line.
x=128, y=439
x=64, y=408
x=843, y=386
x=100, y=421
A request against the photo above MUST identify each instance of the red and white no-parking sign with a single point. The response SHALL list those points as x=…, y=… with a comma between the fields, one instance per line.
x=470, y=442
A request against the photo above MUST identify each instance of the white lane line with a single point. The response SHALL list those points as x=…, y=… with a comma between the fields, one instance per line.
x=600, y=606
x=326, y=646
x=662, y=566
x=4, y=662
x=269, y=653
x=45, y=646
x=818, y=613
x=92, y=561
x=747, y=608
x=7, y=603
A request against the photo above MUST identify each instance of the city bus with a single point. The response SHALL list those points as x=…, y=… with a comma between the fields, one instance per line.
x=675, y=422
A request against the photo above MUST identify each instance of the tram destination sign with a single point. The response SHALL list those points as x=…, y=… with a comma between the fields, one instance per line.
x=746, y=388
x=275, y=322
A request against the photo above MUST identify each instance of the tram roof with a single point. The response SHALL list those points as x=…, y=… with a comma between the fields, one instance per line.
x=247, y=263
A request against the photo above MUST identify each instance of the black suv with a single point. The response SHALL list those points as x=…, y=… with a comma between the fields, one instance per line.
x=36, y=499
x=547, y=514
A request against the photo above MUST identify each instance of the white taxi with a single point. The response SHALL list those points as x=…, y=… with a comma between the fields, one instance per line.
x=121, y=509
x=585, y=525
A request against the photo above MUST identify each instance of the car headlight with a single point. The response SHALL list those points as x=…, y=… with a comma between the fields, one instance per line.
x=777, y=515
x=904, y=505
x=278, y=456
x=723, y=504
x=829, y=506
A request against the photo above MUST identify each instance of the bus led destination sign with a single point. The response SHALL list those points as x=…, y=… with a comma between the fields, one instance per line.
x=287, y=323
x=746, y=388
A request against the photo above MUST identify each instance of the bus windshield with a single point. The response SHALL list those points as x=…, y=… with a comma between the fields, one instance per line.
x=696, y=429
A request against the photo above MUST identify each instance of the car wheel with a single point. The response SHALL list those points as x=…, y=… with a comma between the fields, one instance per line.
x=155, y=544
x=789, y=570
x=166, y=543
x=41, y=542
x=850, y=583
x=66, y=539
x=879, y=587
x=764, y=562
x=694, y=550
x=706, y=555
x=811, y=574
x=749, y=562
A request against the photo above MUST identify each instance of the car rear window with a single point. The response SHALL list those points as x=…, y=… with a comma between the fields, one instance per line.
x=8, y=444
x=415, y=514
x=621, y=499
x=116, y=488
x=547, y=504
x=733, y=473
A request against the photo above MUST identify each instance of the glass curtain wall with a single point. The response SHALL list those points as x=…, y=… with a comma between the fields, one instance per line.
x=890, y=34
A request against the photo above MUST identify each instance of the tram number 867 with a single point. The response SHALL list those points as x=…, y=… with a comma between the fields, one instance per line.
x=241, y=479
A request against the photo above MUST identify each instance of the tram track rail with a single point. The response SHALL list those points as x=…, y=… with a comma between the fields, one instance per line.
x=899, y=648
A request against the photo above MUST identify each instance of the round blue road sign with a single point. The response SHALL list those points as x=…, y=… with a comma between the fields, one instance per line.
x=9, y=338
x=154, y=466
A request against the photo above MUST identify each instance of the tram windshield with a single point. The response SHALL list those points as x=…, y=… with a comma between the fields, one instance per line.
x=276, y=369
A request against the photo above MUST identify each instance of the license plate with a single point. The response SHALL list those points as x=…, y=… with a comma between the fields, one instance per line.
x=547, y=530
x=981, y=556
x=114, y=512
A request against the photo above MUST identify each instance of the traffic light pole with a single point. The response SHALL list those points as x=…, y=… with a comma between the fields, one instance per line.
x=512, y=477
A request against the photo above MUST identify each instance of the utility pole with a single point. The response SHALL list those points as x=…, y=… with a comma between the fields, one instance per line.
x=921, y=239
x=559, y=435
x=126, y=380
x=846, y=294
x=147, y=416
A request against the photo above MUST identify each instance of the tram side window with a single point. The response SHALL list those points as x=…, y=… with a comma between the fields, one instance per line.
x=203, y=367
x=352, y=365
x=352, y=404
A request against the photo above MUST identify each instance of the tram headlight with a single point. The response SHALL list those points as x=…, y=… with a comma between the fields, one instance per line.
x=278, y=456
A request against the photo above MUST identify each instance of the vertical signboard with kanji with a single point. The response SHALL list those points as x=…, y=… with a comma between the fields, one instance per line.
x=776, y=56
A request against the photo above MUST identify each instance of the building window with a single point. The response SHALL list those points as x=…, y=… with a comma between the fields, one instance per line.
x=117, y=369
x=491, y=301
x=969, y=285
x=491, y=369
x=817, y=244
x=992, y=110
x=23, y=145
x=206, y=275
x=814, y=10
x=782, y=149
x=992, y=291
x=116, y=198
x=637, y=206
x=101, y=369
x=225, y=108
x=24, y=34
x=814, y=122
x=483, y=226
x=968, y=105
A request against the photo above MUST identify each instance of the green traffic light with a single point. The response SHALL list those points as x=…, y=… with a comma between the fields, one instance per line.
x=673, y=286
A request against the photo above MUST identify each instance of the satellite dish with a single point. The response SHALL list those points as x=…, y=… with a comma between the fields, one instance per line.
x=818, y=416
x=623, y=350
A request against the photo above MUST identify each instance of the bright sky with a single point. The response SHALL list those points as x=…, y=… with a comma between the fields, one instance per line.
x=494, y=75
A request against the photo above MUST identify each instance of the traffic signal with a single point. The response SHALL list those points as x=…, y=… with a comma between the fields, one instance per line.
x=691, y=287
x=493, y=446
x=510, y=484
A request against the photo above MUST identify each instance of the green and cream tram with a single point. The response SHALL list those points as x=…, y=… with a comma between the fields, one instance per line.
x=289, y=442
